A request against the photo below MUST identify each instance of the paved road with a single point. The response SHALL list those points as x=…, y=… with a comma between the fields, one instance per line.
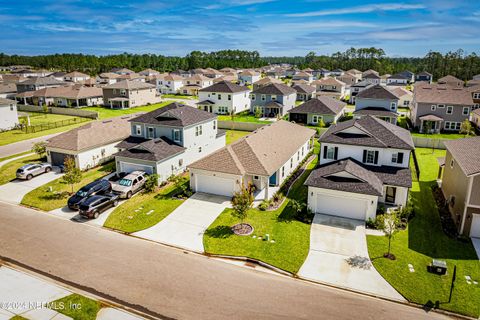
x=170, y=283
x=22, y=146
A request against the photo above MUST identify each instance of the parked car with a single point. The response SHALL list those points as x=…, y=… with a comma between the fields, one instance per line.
x=101, y=186
x=130, y=184
x=94, y=205
x=31, y=170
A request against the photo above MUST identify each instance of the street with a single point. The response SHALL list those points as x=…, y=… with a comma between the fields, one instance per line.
x=169, y=283
x=22, y=146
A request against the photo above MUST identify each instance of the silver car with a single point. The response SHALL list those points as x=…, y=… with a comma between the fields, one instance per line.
x=31, y=170
x=130, y=184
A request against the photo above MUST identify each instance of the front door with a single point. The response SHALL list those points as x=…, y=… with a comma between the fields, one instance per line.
x=390, y=194
x=273, y=180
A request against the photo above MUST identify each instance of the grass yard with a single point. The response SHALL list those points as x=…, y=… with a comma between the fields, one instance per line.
x=242, y=117
x=292, y=237
x=178, y=96
x=144, y=210
x=439, y=135
x=45, y=200
x=43, y=118
x=77, y=307
x=8, y=170
x=420, y=243
x=105, y=113
x=15, y=155
x=234, y=135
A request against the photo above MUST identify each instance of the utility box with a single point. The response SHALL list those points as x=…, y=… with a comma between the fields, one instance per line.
x=438, y=267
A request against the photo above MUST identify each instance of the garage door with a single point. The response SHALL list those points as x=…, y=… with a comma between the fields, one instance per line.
x=215, y=185
x=57, y=158
x=130, y=167
x=475, y=228
x=342, y=207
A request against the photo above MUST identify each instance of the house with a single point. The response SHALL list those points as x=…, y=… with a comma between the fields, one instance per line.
x=274, y=99
x=321, y=73
x=224, y=98
x=327, y=109
x=263, y=159
x=304, y=92
x=461, y=184
x=450, y=81
x=198, y=80
x=384, y=78
x=168, y=83
x=248, y=77
x=409, y=75
x=330, y=87
x=264, y=81
x=8, y=90
x=398, y=79
x=357, y=88
x=212, y=73
x=303, y=76
x=475, y=91
x=29, y=73
x=149, y=73
x=440, y=107
x=369, y=71
x=348, y=79
x=131, y=76
x=181, y=73
x=76, y=76
x=475, y=117
x=363, y=163
x=108, y=78
x=77, y=96
x=337, y=73
x=168, y=139
x=276, y=73
x=122, y=71
x=424, y=76
x=377, y=101
x=476, y=77
x=227, y=77
x=59, y=75
x=356, y=73
x=228, y=70
x=129, y=94
x=405, y=97
x=34, y=84
x=472, y=83
x=9, y=115
x=372, y=78
x=91, y=144
x=291, y=72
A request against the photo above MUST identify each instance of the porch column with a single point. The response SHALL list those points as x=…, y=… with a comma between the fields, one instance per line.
x=421, y=126
x=121, y=103
x=111, y=105
x=266, y=188
x=78, y=105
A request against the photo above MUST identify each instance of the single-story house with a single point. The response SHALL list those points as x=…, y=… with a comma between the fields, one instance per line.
x=322, y=108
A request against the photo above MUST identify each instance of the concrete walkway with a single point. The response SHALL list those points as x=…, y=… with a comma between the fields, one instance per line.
x=339, y=256
x=4, y=162
x=476, y=245
x=14, y=191
x=22, y=146
x=185, y=226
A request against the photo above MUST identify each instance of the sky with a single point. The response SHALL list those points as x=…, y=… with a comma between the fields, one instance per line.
x=272, y=27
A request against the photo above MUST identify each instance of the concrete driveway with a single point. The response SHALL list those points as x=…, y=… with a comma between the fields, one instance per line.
x=14, y=191
x=339, y=256
x=66, y=213
x=185, y=226
x=476, y=245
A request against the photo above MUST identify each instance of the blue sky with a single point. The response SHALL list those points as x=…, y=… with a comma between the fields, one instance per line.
x=293, y=27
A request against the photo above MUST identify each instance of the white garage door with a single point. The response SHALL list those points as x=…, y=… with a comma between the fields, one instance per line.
x=130, y=167
x=342, y=207
x=215, y=185
x=475, y=228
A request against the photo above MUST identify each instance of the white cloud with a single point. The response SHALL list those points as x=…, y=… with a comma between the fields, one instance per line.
x=360, y=9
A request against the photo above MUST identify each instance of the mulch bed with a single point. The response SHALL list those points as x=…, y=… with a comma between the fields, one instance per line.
x=242, y=229
x=448, y=225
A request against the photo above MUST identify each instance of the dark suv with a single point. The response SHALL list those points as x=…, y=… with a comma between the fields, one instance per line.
x=96, y=187
x=93, y=206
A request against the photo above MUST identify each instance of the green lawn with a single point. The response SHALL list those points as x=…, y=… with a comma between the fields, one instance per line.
x=234, y=135
x=242, y=117
x=105, y=113
x=15, y=155
x=424, y=240
x=178, y=96
x=144, y=210
x=292, y=237
x=8, y=170
x=439, y=135
x=43, y=199
x=77, y=307
x=43, y=118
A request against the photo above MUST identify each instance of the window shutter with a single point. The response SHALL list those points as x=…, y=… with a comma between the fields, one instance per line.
x=325, y=152
x=364, y=156
x=376, y=157
x=336, y=153
x=173, y=135
x=400, y=157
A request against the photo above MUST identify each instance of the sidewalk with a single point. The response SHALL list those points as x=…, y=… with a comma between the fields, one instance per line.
x=26, y=295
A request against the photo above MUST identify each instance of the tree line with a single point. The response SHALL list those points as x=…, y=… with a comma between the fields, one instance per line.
x=457, y=63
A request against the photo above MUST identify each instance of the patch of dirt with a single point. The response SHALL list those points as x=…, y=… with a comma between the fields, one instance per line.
x=448, y=225
x=242, y=229
x=390, y=256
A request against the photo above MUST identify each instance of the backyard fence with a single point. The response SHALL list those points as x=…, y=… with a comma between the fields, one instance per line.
x=57, y=110
x=52, y=125
x=431, y=143
x=416, y=172
x=237, y=125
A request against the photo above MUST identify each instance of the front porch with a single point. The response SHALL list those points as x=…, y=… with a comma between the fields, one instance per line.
x=119, y=103
x=273, y=109
x=430, y=124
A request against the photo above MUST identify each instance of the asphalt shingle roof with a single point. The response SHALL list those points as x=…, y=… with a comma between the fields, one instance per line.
x=304, y=88
x=152, y=150
x=130, y=85
x=275, y=88
x=442, y=94
x=377, y=92
x=225, y=86
x=320, y=105
x=466, y=153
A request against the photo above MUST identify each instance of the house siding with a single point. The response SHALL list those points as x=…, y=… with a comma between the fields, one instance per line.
x=421, y=109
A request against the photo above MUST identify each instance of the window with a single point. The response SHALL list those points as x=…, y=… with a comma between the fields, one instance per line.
x=273, y=97
x=316, y=118
x=283, y=172
x=219, y=96
x=123, y=92
x=433, y=107
x=450, y=125
x=180, y=162
x=449, y=109
x=229, y=97
x=252, y=96
x=199, y=149
x=452, y=162
x=397, y=157
x=291, y=163
x=393, y=105
x=214, y=124
x=176, y=135
x=476, y=95
x=138, y=129
x=330, y=152
x=370, y=157
x=11, y=107
x=466, y=111
x=222, y=110
x=255, y=177
x=334, y=87
x=263, y=97
x=298, y=155
x=303, y=149
x=198, y=131
x=406, y=102
x=151, y=133
x=441, y=106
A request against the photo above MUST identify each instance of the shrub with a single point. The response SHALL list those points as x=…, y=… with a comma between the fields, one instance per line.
x=151, y=183
x=264, y=205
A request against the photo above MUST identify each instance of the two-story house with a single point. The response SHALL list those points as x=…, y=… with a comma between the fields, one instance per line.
x=37, y=83
x=274, y=99
x=248, y=77
x=424, y=76
x=76, y=76
x=363, y=162
x=398, y=79
x=461, y=184
x=372, y=77
x=377, y=101
x=440, y=107
x=129, y=94
x=192, y=84
x=357, y=88
x=305, y=92
x=224, y=98
x=475, y=91
x=451, y=81
x=166, y=140
x=330, y=87
x=356, y=73
x=264, y=81
x=8, y=110
x=301, y=75
x=168, y=83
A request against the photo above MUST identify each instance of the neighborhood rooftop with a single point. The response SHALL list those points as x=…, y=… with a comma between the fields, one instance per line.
x=442, y=94
x=377, y=92
x=466, y=153
x=275, y=88
x=225, y=86
x=320, y=105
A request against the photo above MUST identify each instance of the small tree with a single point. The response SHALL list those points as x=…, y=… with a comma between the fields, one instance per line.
x=321, y=123
x=258, y=112
x=428, y=127
x=72, y=174
x=40, y=148
x=241, y=202
x=388, y=223
x=466, y=128
x=151, y=183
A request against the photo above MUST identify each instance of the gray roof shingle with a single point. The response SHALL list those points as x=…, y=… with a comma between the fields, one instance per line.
x=152, y=150
x=377, y=92
x=275, y=88
x=320, y=105
x=225, y=86
x=466, y=153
